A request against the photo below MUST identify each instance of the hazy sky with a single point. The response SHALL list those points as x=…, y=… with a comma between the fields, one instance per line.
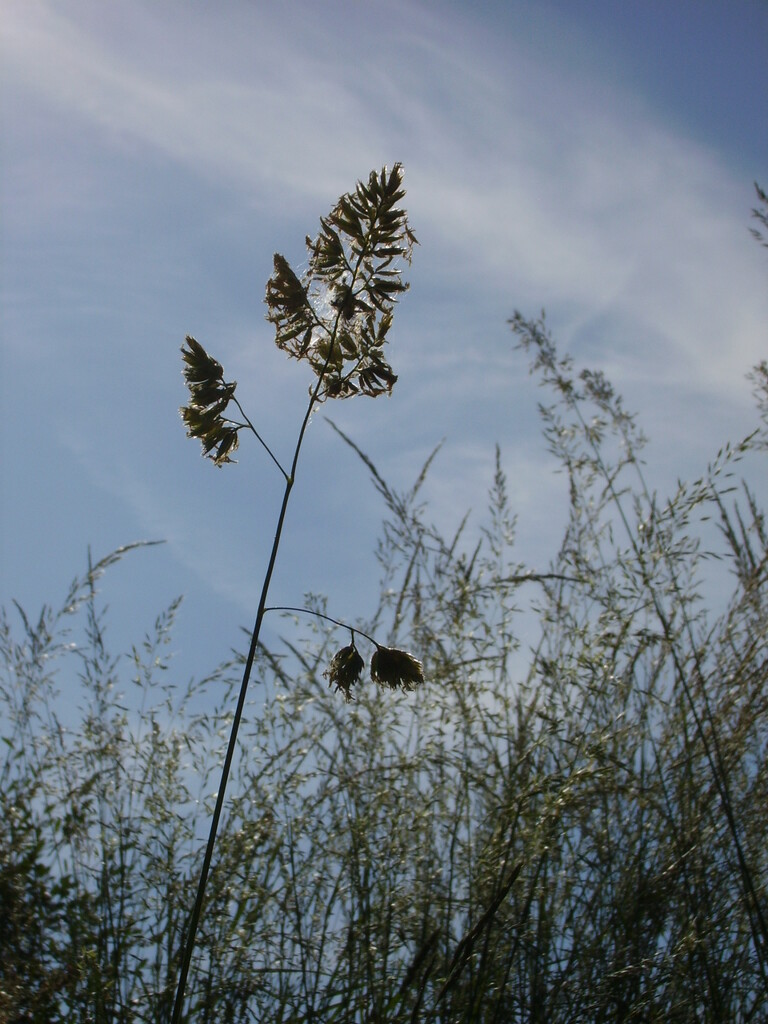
x=593, y=158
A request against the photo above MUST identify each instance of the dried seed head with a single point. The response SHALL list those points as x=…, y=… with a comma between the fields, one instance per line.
x=396, y=669
x=345, y=670
x=209, y=395
x=337, y=314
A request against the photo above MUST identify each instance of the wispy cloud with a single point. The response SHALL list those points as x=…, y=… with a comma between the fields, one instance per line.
x=515, y=163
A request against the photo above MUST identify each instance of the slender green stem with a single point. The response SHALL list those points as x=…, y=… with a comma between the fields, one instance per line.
x=321, y=615
x=259, y=438
x=189, y=942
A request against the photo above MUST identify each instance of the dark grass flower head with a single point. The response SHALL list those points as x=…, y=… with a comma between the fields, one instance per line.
x=336, y=316
x=390, y=667
x=209, y=396
x=345, y=670
x=396, y=669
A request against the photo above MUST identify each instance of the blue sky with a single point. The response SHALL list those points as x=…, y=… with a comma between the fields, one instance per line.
x=596, y=159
